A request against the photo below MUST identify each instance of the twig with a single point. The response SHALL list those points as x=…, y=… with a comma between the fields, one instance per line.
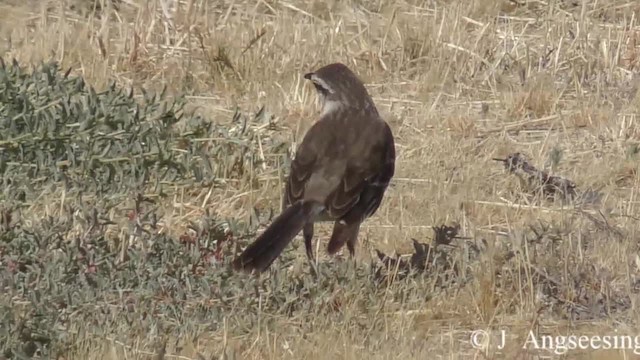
x=549, y=184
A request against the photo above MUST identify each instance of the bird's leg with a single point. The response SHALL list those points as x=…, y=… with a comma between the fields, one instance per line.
x=307, y=233
x=351, y=246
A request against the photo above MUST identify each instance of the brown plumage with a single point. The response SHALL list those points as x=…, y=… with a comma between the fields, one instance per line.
x=340, y=172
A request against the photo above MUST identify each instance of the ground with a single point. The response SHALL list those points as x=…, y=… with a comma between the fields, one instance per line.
x=461, y=83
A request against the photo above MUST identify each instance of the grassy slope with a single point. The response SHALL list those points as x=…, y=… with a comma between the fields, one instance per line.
x=460, y=82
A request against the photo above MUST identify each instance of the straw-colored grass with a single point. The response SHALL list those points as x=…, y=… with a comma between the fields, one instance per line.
x=460, y=82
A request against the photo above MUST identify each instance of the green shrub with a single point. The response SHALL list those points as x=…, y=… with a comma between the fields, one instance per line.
x=55, y=128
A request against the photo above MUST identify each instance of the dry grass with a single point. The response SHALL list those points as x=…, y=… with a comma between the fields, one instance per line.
x=460, y=82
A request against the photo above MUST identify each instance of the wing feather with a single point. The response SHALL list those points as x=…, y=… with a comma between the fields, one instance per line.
x=370, y=165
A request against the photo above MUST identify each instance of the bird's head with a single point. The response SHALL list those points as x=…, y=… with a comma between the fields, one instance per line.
x=339, y=87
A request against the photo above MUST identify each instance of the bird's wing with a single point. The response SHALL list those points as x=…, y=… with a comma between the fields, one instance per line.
x=301, y=169
x=375, y=184
x=368, y=155
x=303, y=165
x=370, y=167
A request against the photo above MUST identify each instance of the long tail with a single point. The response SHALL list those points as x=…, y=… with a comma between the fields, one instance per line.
x=268, y=246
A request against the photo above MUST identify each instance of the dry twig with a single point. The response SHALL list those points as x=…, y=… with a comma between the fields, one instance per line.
x=549, y=185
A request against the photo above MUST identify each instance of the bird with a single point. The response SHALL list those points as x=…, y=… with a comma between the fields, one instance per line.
x=340, y=172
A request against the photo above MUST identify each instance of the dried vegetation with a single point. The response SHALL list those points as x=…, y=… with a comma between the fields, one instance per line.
x=144, y=143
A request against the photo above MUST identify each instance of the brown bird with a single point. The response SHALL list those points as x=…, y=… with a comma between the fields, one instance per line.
x=340, y=172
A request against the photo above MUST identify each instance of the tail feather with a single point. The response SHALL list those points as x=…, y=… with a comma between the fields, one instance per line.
x=268, y=246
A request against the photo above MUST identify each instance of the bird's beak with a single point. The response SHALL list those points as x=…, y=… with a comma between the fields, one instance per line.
x=308, y=76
